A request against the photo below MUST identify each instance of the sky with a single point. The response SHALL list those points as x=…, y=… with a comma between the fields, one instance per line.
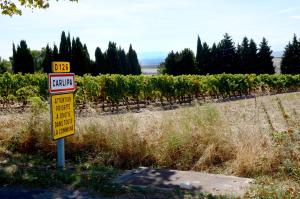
x=153, y=25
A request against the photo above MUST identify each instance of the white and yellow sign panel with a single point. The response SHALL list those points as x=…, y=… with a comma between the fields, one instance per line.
x=61, y=67
x=62, y=115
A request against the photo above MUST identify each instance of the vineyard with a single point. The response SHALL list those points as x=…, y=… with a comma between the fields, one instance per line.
x=109, y=92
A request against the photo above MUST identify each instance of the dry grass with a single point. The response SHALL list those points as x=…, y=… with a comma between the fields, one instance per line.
x=231, y=138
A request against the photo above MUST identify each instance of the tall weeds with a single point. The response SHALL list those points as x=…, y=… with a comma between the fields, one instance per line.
x=200, y=138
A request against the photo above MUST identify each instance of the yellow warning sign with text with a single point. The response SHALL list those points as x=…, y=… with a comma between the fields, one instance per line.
x=62, y=115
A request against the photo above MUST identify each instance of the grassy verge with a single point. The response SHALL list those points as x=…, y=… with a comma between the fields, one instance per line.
x=256, y=138
x=35, y=171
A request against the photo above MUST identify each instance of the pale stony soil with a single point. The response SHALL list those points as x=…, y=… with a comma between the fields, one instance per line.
x=242, y=114
x=254, y=112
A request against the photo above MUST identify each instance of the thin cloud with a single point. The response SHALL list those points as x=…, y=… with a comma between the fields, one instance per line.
x=295, y=17
x=288, y=10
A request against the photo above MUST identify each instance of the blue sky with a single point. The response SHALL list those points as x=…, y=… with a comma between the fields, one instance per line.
x=153, y=25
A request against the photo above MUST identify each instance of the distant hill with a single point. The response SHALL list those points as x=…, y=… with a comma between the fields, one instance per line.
x=277, y=54
x=152, y=58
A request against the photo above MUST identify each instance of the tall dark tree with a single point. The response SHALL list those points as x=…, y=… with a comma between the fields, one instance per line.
x=252, y=57
x=199, y=55
x=187, y=62
x=180, y=63
x=23, y=60
x=123, y=69
x=55, y=53
x=214, y=60
x=77, y=50
x=86, y=60
x=63, y=48
x=265, y=59
x=291, y=58
x=226, y=55
x=14, y=59
x=132, y=61
x=80, y=58
x=69, y=45
x=243, y=57
x=46, y=64
x=239, y=60
x=170, y=63
x=112, y=58
x=206, y=57
x=73, y=57
x=99, y=62
x=246, y=57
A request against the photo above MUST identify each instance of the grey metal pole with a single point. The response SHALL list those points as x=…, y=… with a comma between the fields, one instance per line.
x=61, y=153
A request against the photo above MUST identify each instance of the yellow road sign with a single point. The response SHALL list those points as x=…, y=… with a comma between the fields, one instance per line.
x=62, y=115
x=61, y=67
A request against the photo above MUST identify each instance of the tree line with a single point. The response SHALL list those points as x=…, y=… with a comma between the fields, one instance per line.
x=113, y=61
x=225, y=57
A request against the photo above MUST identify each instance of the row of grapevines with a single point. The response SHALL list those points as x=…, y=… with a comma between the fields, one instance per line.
x=113, y=90
x=19, y=88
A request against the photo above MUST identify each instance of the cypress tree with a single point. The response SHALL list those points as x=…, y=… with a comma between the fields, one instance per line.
x=132, y=61
x=291, y=58
x=46, y=64
x=80, y=58
x=112, y=58
x=252, y=59
x=77, y=61
x=199, y=55
x=187, y=62
x=226, y=55
x=73, y=57
x=86, y=60
x=206, y=58
x=170, y=63
x=239, y=54
x=180, y=63
x=69, y=46
x=214, y=60
x=23, y=60
x=55, y=53
x=63, y=48
x=123, y=69
x=99, y=62
x=244, y=57
x=265, y=58
x=14, y=60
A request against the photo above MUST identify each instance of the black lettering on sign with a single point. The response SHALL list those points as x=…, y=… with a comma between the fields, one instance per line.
x=62, y=82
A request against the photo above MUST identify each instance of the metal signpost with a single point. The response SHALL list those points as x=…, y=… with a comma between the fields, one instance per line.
x=61, y=88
